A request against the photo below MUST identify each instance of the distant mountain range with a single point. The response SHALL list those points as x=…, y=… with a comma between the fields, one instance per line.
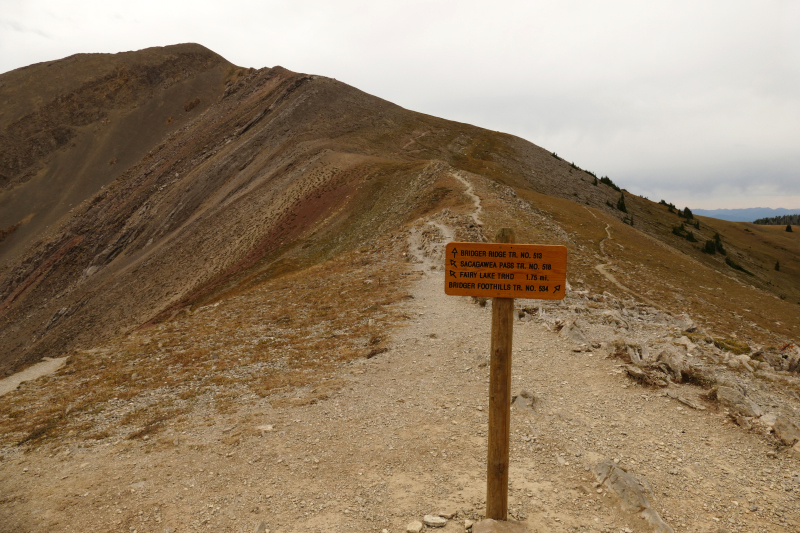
x=745, y=215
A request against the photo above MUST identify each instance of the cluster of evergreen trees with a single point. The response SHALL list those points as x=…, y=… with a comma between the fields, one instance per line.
x=779, y=221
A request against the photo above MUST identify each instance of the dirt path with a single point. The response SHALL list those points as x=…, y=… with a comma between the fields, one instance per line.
x=605, y=267
x=471, y=193
x=406, y=436
x=45, y=368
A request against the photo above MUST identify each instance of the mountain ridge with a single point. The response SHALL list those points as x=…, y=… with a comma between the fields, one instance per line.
x=280, y=171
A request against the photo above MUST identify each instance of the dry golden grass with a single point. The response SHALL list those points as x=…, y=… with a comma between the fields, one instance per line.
x=291, y=331
x=675, y=274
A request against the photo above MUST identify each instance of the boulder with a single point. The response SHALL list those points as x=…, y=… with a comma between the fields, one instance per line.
x=683, y=321
x=786, y=430
x=675, y=361
x=574, y=331
x=650, y=376
x=614, y=318
x=686, y=343
x=795, y=451
x=746, y=362
x=737, y=403
x=632, y=491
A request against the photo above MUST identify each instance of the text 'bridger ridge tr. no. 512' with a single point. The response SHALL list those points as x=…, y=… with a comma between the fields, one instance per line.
x=501, y=270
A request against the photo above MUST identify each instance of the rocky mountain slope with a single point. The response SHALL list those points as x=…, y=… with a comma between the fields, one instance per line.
x=267, y=251
x=270, y=171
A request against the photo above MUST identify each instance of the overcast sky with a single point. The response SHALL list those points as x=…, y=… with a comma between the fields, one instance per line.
x=694, y=102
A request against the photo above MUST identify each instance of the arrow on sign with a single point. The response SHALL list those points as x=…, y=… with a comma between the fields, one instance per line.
x=454, y=253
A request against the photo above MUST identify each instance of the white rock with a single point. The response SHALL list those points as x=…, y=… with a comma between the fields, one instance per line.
x=468, y=524
x=434, y=521
x=414, y=527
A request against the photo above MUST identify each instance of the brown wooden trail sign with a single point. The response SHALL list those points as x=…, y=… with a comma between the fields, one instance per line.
x=503, y=271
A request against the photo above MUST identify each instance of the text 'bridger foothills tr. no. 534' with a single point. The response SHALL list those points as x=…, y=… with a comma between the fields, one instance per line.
x=503, y=271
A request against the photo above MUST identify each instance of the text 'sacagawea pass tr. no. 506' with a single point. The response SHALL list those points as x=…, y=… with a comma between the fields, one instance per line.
x=501, y=270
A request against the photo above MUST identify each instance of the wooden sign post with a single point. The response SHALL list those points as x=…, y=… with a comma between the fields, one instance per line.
x=503, y=271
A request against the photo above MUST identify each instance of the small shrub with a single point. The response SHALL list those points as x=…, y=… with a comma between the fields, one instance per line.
x=777, y=265
x=686, y=213
x=606, y=180
x=736, y=266
x=8, y=231
x=718, y=244
x=480, y=300
x=681, y=231
x=709, y=248
x=789, y=228
x=191, y=104
x=696, y=224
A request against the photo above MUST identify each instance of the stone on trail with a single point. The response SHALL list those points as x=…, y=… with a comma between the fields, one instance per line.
x=685, y=401
x=632, y=491
x=447, y=512
x=434, y=521
x=414, y=527
x=498, y=526
x=261, y=528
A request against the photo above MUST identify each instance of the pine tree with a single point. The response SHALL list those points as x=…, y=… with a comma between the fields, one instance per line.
x=789, y=228
x=621, y=204
x=777, y=265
